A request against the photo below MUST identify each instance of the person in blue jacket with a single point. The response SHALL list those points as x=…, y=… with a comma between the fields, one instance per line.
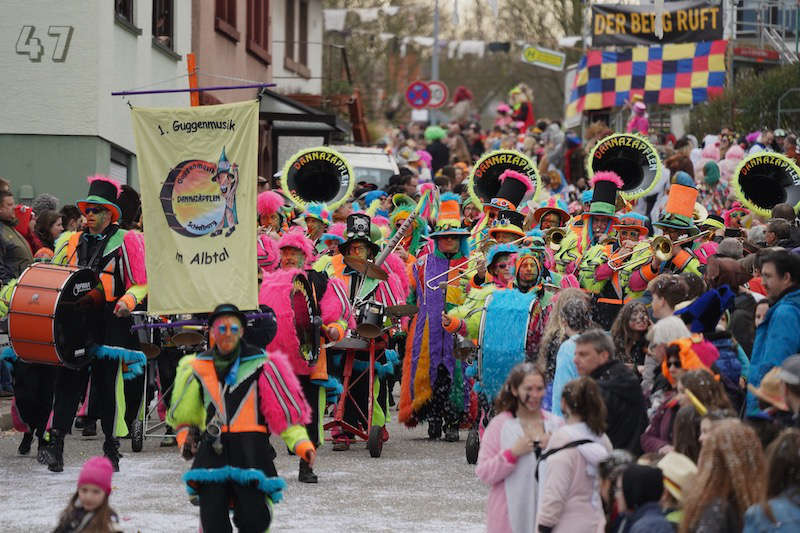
x=777, y=337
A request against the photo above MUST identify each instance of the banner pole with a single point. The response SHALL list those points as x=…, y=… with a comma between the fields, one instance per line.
x=191, y=66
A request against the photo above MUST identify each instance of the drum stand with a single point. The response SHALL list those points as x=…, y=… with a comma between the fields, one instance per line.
x=373, y=435
x=141, y=430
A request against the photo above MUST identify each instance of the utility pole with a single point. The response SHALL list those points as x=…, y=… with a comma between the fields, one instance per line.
x=435, y=55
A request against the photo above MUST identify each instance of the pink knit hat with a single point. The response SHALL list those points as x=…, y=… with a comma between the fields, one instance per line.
x=97, y=471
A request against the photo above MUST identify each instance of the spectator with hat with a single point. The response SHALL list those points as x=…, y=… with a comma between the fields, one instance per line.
x=678, y=475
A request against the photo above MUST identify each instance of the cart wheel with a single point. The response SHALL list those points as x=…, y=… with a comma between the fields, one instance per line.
x=375, y=441
x=473, y=446
x=137, y=436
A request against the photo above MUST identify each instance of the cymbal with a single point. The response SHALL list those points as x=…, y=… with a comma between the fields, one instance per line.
x=185, y=339
x=368, y=268
x=403, y=310
x=151, y=351
x=351, y=343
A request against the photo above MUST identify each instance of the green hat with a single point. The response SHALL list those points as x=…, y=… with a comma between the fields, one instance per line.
x=102, y=191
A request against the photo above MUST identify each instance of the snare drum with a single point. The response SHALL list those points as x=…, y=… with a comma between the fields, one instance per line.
x=370, y=320
x=45, y=325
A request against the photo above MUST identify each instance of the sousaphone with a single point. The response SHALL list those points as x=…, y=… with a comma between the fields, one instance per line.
x=632, y=157
x=765, y=179
x=484, y=180
x=318, y=175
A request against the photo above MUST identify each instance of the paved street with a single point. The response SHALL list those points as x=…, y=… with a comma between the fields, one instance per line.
x=416, y=485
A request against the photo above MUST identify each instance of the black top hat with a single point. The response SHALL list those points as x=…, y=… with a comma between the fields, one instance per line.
x=506, y=217
x=513, y=188
x=358, y=229
x=227, y=309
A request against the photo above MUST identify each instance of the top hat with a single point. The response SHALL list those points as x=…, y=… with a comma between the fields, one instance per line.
x=509, y=222
x=102, y=191
x=513, y=188
x=605, y=185
x=449, y=220
x=679, y=210
x=358, y=229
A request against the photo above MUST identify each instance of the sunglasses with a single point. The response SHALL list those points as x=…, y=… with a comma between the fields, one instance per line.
x=502, y=265
x=223, y=329
x=94, y=210
x=673, y=363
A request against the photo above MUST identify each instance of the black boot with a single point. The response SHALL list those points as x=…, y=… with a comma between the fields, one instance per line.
x=80, y=421
x=434, y=429
x=111, y=450
x=89, y=428
x=451, y=433
x=41, y=451
x=25, y=445
x=168, y=442
x=54, y=452
x=306, y=475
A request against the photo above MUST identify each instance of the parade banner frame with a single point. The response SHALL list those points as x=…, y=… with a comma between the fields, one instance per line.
x=682, y=22
x=198, y=171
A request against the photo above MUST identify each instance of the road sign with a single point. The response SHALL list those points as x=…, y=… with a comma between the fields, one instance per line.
x=418, y=94
x=439, y=94
x=544, y=57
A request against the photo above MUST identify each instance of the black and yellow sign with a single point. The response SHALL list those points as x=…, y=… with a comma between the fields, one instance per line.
x=682, y=22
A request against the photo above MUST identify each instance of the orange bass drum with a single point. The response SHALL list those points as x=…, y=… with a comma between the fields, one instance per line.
x=44, y=323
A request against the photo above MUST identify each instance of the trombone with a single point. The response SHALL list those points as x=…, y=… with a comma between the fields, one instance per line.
x=486, y=244
x=553, y=238
x=661, y=247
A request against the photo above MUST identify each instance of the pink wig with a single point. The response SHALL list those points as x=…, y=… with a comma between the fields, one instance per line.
x=398, y=267
x=134, y=249
x=522, y=178
x=425, y=157
x=735, y=153
x=711, y=151
x=296, y=238
x=269, y=202
x=503, y=108
x=607, y=175
x=101, y=177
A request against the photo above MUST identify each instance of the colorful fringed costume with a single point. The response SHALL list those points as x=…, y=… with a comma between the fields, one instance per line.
x=259, y=396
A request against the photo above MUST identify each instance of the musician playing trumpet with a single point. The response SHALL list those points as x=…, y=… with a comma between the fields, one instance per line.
x=676, y=222
x=432, y=388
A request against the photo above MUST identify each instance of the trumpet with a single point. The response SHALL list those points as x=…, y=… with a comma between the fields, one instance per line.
x=661, y=247
x=553, y=238
x=483, y=250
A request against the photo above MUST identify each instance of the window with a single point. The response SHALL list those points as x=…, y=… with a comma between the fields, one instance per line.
x=162, y=23
x=258, y=29
x=118, y=168
x=302, y=40
x=289, y=38
x=225, y=19
x=124, y=10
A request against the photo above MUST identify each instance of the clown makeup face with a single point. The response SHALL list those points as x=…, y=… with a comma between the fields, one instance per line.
x=501, y=267
x=331, y=246
x=314, y=228
x=639, y=321
x=504, y=237
x=97, y=218
x=491, y=214
x=271, y=221
x=550, y=220
x=449, y=244
x=227, y=332
x=359, y=249
x=628, y=235
x=736, y=219
x=528, y=271
x=471, y=212
x=599, y=224
x=292, y=258
x=530, y=392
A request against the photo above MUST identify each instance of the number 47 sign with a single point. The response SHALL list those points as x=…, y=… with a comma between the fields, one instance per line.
x=30, y=45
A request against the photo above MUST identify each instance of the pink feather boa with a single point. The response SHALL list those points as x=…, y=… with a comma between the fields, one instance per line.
x=272, y=399
x=134, y=247
x=398, y=267
x=269, y=202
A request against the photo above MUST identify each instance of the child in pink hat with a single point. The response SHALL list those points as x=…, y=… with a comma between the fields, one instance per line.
x=88, y=509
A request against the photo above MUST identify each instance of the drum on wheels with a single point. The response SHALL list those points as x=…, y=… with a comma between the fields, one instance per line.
x=44, y=322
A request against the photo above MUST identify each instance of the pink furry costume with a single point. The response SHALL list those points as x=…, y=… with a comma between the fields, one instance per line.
x=269, y=203
x=277, y=292
x=258, y=396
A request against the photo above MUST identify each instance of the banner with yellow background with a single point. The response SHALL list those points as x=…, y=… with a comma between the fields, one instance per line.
x=198, y=169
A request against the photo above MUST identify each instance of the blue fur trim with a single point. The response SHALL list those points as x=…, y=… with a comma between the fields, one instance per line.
x=450, y=197
x=8, y=354
x=381, y=370
x=504, y=337
x=333, y=388
x=133, y=359
x=271, y=486
x=472, y=370
x=392, y=356
x=498, y=249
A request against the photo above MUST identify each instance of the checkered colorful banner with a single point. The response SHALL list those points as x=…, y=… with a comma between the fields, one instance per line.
x=685, y=73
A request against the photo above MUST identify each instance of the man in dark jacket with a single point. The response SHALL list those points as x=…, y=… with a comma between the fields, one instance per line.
x=17, y=254
x=627, y=416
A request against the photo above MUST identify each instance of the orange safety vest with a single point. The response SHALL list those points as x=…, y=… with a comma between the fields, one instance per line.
x=107, y=278
x=244, y=418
